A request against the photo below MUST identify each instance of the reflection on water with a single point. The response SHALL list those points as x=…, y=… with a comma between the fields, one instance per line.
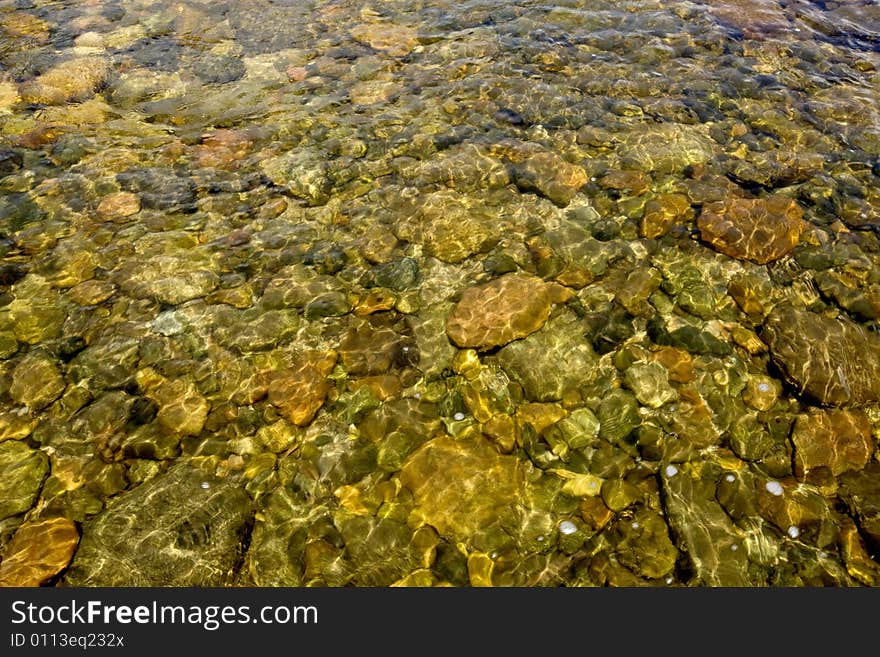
x=439, y=293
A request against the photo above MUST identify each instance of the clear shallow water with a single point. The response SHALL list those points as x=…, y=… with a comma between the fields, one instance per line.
x=436, y=293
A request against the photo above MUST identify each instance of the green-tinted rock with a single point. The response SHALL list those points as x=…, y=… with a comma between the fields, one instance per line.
x=833, y=361
x=22, y=471
x=860, y=490
x=579, y=429
x=169, y=279
x=36, y=381
x=251, y=330
x=650, y=383
x=618, y=415
x=687, y=337
x=303, y=171
x=708, y=536
x=666, y=147
x=449, y=226
x=643, y=545
x=181, y=528
x=552, y=362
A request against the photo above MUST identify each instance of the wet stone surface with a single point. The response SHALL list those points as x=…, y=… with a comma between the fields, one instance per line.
x=327, y=294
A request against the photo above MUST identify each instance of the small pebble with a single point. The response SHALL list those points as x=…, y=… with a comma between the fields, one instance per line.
x=567, y=527
x=774, y=488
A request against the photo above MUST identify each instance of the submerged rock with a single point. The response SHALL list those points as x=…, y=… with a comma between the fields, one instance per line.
x=707, y=534
x=22, y=471
x=666, y=147
x=182, y=528
x=38, y=551
x=833, y=361
x=449, y=226
x=72, y=80
x=549, y=175
x=36, y=381
x=760, y=229
x=388, y=38
x=299, y=391
x=503, y=310
x=552, y=362
x=839, y=440
x=462, y=486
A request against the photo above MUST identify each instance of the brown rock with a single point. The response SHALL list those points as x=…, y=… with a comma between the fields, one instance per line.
x=299, y=392
x=119, y=206
x=390, y=39
x=503, y=310
x=222, y=148
x=839, y=440
x=760, y=229
x=71, y=80
x=371, y=348
x=461, y=486
x=551, y=176
x=662, y=212
x=633, y=182
x=678, y=362
x=38, y=551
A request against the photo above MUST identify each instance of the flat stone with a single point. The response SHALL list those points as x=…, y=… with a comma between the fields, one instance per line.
x=503, y=310
x=461, y=486
x=838, y=439
x=169, y=279
x=36, y=381
x=551, y=362
x=703, y=528
x=662, y=212
x=666, y=147
x=182, y=408
x=759, y=229
x=22, y=471
x=118, y=205
x=388, y=38
x=38, y=551
x=299, y=391
x=449, y=226
x=650, y=383
x=182, y=528
x=551, y=176
x=834, y=361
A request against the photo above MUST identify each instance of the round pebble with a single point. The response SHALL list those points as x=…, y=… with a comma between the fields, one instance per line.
x=206, y=485
x=774, y=488
x=458, y=417
x=729, y=478
x=794, y=532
